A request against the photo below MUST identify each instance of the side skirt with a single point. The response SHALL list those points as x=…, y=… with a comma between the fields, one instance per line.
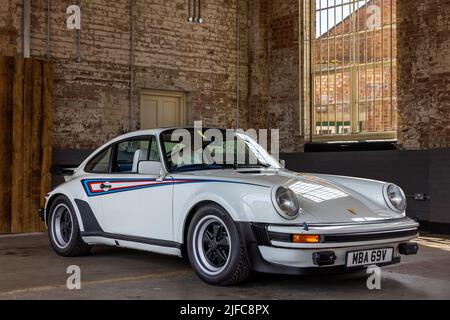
x=138, y=243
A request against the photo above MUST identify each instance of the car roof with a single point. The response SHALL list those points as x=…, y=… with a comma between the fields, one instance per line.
x=155, y=131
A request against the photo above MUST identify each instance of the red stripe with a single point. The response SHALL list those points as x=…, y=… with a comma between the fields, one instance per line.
x=90, y=184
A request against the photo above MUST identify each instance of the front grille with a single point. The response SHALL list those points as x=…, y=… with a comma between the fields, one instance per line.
x=355, y=237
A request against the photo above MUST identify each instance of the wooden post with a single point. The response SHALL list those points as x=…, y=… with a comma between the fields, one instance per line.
x=5, y=223
x=36, y=145
x=26, y=147
x=47, y=129
x=4, y=214
x=26, y=130
x=17, y=160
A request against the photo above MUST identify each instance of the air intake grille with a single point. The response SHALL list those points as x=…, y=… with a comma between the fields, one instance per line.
x=260, y=231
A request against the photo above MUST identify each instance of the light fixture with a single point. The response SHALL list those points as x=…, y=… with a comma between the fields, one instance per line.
x=194, y=11
x=190, y=17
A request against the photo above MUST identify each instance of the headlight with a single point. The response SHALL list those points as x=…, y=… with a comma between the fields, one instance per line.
x=395, y=197
x=286, y=203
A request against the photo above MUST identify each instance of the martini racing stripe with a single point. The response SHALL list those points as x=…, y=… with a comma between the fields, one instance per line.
x=97, y=187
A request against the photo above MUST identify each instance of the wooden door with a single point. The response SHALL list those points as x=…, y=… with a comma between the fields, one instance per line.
x=162, y=109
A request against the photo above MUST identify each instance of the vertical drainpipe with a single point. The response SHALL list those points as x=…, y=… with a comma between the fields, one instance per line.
x=49, y=6
x=79, y=38
x=190, y=16
x=238, y=61
x=132, y=26
x=26, y=28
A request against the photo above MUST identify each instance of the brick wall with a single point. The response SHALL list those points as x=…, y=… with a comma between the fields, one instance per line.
x=9, y=27
x=424, y=74
x=274, y=69
x=92, y=97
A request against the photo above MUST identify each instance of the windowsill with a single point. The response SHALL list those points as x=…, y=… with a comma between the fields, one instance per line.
x=351, y=146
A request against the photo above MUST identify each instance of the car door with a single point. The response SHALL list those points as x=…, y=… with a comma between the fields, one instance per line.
x=134, y=204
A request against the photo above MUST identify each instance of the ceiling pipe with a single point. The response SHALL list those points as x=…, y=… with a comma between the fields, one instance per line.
x=26, y=27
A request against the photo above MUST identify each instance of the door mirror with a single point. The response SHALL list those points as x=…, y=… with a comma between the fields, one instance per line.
x=152, y=168
x=283, y=163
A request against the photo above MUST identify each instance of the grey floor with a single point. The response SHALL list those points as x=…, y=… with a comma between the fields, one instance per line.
x=30, y=270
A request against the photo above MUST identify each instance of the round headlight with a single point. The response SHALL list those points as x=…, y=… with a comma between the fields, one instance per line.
x=287, y=203
x=395, y=198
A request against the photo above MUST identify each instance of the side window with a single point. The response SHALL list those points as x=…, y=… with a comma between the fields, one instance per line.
x=129, y=153
x=100, y=163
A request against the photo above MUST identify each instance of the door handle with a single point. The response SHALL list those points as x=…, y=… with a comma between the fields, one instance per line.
x=105, y=186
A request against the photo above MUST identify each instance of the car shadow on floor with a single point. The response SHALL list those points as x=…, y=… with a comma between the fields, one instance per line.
x=259, y=284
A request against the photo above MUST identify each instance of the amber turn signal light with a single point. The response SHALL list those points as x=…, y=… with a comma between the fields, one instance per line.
x=305, y=238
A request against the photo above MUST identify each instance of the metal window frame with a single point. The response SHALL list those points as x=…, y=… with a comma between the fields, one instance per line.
x=355, y=67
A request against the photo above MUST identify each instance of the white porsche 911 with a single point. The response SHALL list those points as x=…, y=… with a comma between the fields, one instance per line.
x=140, y=191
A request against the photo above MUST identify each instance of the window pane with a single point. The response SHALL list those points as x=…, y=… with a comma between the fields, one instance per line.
x=100, y=163
x=354, y=66
x=129, y=153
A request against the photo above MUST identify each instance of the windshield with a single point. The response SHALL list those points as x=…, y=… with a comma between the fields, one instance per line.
x=191, y=149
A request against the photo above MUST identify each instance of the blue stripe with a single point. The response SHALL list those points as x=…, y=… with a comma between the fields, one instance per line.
x=85, y=183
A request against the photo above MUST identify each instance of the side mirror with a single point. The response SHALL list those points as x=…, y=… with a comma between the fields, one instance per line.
x=152, y=168
x=283, y=163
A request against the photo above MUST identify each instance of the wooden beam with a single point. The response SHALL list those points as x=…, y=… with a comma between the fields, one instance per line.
x=17, y=145
x=36, y=145
x=47, y=129
x=7, y=156
x=26, y=147
x=4, y=215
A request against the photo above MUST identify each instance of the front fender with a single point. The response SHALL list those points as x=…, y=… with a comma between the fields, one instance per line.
x=372, y=190
x=243, y=202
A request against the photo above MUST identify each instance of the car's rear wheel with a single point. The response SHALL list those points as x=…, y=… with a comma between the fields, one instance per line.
x=215, y=248
x=64, y=231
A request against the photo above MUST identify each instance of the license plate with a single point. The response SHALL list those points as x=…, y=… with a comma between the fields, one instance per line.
x=369, y=257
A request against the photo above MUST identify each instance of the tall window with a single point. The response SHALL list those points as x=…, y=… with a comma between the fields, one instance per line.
x=352, y=63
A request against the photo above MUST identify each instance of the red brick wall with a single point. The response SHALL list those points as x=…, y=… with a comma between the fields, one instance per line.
x=92, y=97
x=424, y=74
x=274, y=70
x=9, y=27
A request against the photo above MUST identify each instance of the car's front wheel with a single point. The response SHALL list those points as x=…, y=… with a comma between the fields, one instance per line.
x=215, y=248
x=64, y=231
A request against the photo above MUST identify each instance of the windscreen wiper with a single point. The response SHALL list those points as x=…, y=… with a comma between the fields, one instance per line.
x=249, y=165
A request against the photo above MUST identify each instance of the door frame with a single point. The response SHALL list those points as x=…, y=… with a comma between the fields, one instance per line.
x=163, y=93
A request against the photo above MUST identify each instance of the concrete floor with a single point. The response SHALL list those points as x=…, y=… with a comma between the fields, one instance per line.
x=30, y=270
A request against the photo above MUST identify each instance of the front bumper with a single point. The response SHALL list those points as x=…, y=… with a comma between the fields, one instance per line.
x=270, y=250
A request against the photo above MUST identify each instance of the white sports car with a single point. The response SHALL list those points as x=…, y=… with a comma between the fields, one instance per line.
x=140, y=191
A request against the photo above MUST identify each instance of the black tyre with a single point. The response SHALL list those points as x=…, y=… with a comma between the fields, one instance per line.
x=215, y=248
x=64, y=231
